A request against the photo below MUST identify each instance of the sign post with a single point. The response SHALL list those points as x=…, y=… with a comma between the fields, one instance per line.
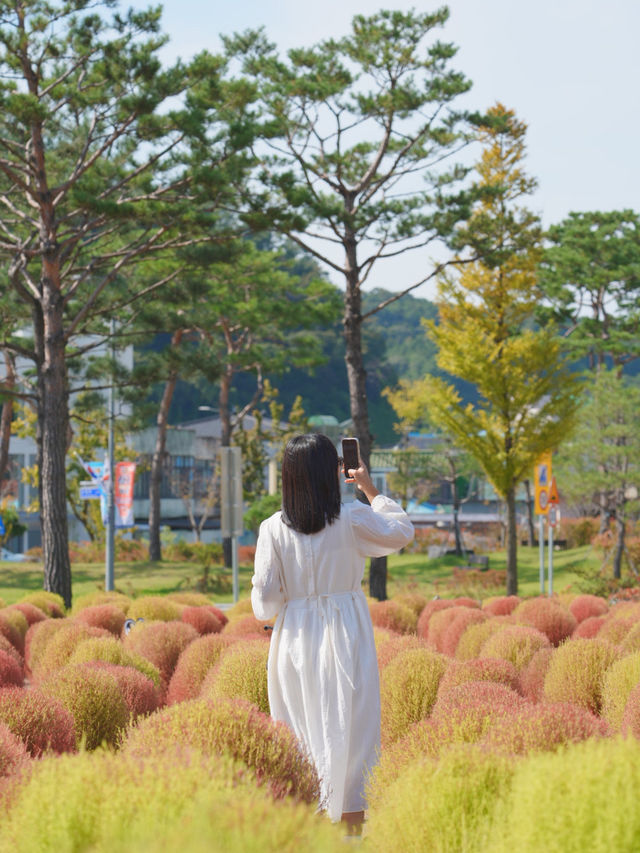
x=542, y=482
x=552, y=518
x=231, y=505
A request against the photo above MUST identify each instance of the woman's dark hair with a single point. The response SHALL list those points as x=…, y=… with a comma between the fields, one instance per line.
x=310, y=484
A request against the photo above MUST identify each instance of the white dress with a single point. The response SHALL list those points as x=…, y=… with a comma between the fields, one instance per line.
x=322, y=672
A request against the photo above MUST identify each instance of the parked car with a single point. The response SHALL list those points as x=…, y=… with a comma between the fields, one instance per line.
x=11, y=557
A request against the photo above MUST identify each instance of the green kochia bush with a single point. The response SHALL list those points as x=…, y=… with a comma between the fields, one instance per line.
x=235, y=727
x=241, y=673
x=582, y=798
x=180, y=800
x=515, y=643
x=109, y=650
x=154, y=607
x=620, y=679
x=94, y=700
x=445, y=806
x=408, y=690
x=576, y=672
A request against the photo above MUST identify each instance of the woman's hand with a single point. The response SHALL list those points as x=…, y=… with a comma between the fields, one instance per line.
x=361, y=477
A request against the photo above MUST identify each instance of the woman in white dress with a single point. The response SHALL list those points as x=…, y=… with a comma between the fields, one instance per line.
x=322, y=673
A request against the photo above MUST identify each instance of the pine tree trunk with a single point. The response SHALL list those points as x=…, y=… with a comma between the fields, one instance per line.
x=7, y=415
x=357, y=381
x=157, y=461
x=512, y=543
x=52, y=438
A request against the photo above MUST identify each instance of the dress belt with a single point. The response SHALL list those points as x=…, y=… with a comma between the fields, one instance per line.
x=322, y=598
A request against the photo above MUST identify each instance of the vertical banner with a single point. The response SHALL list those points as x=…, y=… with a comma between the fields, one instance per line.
x=125, y=479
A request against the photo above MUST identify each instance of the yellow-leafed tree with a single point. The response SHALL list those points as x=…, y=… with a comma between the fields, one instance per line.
x=525, y=395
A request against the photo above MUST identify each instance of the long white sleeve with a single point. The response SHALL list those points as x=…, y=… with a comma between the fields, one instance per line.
x=267, y=594
x=382, y=528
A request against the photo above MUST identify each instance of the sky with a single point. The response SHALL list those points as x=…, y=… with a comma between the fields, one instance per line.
x=569, y=68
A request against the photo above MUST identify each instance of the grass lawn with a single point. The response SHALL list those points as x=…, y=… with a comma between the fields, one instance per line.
x=145, y=578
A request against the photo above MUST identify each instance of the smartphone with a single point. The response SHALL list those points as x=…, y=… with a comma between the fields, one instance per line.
x=350, y=454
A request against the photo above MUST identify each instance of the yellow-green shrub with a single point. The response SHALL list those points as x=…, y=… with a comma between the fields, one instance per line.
x=241, y=673
x=37, y=640
x=238, y=728
x=394, y=616
x=155, y=608
x=475, y=636
x=61, y=646
x=408, y=690
x=240, y=608
x=576, y=672
x=392, y=645
x=191, y=599
x=110, y=650
x=50, y=602
x=19, y=622
x=583, y=797
x=515, y=643
x=413, y=599
x=620, y=679
x=93, y=599
x=94, y=700
x=445, y=806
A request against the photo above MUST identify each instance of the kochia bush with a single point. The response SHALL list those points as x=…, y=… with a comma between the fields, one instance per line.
x=202, y=619
x=162, y=643
x=154, y=607
x=193, y=665
x=238, y=728
x=619, y=680
x=585, y=606
x=515, y=643
x=61, y=645
x=13, y=754
x=394, y=616
x=109, y=650
x=534, y=673
x=589, y=627
x=11, y=673
x=576, y=672
x=408, y=690
x=471, y=642
x=428, y=611
x=393, y=644
x=480, y=669
x=94, y=700
x=41, y=722
x=107, y=616
x=548, y=616
x=241, y=673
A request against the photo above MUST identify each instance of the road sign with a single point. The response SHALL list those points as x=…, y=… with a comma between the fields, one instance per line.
x=542, y=481
x=552, y=516
x=90, y=490
x=553, y=492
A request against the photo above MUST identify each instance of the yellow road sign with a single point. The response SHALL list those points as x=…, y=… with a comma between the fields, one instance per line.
x=542, y=483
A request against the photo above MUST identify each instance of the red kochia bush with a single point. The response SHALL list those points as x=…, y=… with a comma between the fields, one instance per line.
x=107, y=616
x=549, y=617
x=13, y=753
x=479, y=669
x=246, y=626
x=533, y=675
x=502, y=605
x=389, y=648
x=585, y=606
x=30, y=612
x=428, y=611
x=220, y=615
x=41, y=722
x=393, y=616
x=37, y=640
x=440, y=622
x=202, y=619
x=589, y=627
x=138, y=691
x=11, y=650
x=464, y=713
x=10, y=671
x=465, y=617
x=544, y=726
x=161, y=643
x=9, y=630
x=193, y=665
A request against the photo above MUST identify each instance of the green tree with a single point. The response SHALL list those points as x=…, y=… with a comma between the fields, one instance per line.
x=602, y=457
x=590, y=273
x=91, y=181
x=526, y=397
x=347, y=126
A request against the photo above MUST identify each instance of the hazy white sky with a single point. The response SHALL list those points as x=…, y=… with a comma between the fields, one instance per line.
x=569, y=68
